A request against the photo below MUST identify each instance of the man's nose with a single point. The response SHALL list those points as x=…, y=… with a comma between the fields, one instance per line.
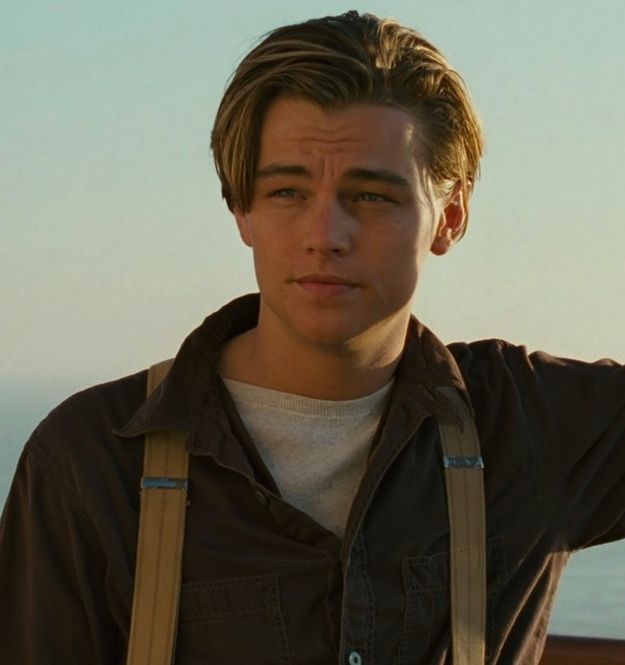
x=329, y=228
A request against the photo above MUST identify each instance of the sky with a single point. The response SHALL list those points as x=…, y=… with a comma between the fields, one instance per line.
x=115, y=244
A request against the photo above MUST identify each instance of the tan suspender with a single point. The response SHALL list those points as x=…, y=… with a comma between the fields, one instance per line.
x=159, y=548
x=161, y=535
x=467, y=533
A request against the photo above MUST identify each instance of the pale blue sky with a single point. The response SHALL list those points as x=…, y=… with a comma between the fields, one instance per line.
x=115, y=243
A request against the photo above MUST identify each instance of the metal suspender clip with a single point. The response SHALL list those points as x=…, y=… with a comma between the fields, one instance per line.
x=155, y=483
x=463, y=462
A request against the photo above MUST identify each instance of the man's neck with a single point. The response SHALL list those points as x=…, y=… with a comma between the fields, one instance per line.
x=318, y=371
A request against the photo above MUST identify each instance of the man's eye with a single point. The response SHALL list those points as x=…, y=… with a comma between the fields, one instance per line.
x=284, y=193
x=372, y=197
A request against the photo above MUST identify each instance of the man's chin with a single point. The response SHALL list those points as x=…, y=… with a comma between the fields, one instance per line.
x=335, y=338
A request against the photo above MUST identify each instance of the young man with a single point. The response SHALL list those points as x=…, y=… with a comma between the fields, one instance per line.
x=317, y=527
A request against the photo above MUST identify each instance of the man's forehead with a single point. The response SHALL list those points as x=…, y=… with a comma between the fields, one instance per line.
x=328, y=117
x=361, y=136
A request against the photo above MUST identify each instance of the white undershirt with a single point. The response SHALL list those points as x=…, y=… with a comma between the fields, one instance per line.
x=315, y=449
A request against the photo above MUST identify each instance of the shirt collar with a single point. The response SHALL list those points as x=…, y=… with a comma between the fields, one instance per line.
x=192, y=387
x=191, y=397
x=427, y=365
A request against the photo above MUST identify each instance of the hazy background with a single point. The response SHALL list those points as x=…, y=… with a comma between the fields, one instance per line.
x=114, y=243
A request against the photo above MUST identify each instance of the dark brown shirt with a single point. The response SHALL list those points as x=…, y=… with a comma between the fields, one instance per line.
x=263, y=582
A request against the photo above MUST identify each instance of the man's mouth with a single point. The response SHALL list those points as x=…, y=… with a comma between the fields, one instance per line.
x=325, y=285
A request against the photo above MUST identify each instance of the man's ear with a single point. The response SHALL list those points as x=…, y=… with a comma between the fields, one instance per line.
x=451, y=222
x=243, y=225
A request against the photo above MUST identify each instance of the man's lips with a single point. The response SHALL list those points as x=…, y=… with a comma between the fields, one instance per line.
x=325, y=284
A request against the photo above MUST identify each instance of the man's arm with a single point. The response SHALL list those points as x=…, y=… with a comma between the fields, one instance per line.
x=576, y=411
x=52, y=573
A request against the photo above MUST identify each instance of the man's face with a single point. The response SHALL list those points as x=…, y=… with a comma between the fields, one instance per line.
x=341, y=220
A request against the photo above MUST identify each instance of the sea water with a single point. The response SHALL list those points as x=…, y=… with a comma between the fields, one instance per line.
x=590, y=599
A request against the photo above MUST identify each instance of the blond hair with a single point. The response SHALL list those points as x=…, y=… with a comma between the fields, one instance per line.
x=340, y=60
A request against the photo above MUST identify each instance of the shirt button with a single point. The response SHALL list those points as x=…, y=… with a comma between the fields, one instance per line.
x=354, y=658
x=261, y=497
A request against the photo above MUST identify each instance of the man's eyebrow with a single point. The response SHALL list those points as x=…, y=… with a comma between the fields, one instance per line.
x=362, y=174
x=380, y=175
x=282, y=169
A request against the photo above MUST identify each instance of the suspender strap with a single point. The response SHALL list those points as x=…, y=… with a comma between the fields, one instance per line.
x=159, y=549
x=465, y=505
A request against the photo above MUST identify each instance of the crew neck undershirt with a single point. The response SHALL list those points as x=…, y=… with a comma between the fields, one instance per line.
x=316, y=450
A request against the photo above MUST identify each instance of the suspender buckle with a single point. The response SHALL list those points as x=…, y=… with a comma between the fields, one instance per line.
x=463, y=462
x=156, y=483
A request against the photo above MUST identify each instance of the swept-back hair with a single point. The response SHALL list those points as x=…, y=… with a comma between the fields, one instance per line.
x=340, y=60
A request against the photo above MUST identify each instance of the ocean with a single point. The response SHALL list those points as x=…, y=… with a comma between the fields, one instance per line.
x=591, y=593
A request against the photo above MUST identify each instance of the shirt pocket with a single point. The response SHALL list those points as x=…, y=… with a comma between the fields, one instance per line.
x=425, y=631
x=232, y=621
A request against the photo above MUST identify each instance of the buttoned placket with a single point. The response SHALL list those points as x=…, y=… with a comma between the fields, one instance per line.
x=358, y=607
